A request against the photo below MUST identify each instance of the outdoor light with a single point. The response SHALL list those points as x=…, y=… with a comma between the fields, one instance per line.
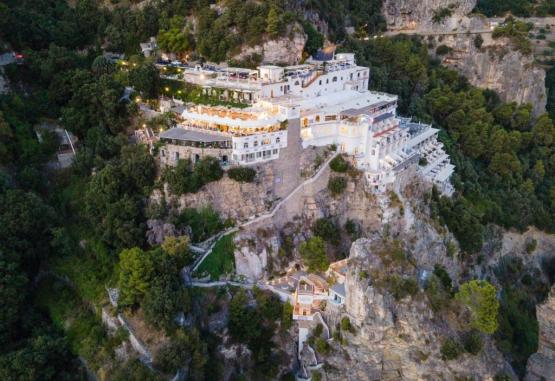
x=138, y=99
x=167, y=89
x=144, y=125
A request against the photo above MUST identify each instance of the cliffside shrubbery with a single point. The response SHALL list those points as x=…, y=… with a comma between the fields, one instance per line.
x=242, y=174
x=339, y=164
x=188, y=178
x=337, y=185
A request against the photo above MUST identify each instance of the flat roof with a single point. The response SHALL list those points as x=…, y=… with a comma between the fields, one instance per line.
x=338, y=102
x=339, y=288
x=179, y=133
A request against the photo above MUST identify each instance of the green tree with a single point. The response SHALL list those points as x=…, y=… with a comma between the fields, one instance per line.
x=273, y=21
x=480, y=298
x=314, y=255
x=186, y=351
x=146, y=80
x=163, y=300
x=178, y=248
x=13, y=285
x=135, y=274
x=326, y=229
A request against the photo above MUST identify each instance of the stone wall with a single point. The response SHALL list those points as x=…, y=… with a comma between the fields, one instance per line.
x=167, y=153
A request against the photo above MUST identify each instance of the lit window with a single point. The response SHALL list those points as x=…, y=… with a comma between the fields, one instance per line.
x=265, y=141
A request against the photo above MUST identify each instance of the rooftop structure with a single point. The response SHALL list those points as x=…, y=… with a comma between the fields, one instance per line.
x=327, y=100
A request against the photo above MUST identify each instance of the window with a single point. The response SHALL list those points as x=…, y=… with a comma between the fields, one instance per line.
x=320, y=82
x=317, y=119
x=296, y=83
x=245, y=145
x=330, y=117
x=334, y=79
x=278, y=139
x=255, y=143
x=327, y=80
x=177, y=156
x=163, y=152
x=358, y=75
x=265, y=141
x=275, y=151
x=258, y=154
x=351, y=76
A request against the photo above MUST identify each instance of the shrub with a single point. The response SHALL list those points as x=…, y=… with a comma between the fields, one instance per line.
x=450, y=349
x=441, y=13
x=444, y=277
x=346, y=324
x=531, y=245
x=339, y=164
x=442, y=50
x=318, y=330
x=472, y=342
x=322, y=346
x=401, y=287
x=313, y=253
x=287, y=315
x=353, y=229
x=337, y=185
x=478, y=41
x=327, y=230
x=437, y=296
x=242, y=174
x=184, y=178
x=481, y=299
x=204, y=222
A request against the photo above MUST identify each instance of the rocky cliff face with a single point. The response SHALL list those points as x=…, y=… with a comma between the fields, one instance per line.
x=232, y=199
x=496, y=66
x=541, y=365
x=418, y=14
x=287, y=50
x=397, y=340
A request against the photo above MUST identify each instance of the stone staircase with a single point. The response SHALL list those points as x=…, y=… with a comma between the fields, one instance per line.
x=287, y=171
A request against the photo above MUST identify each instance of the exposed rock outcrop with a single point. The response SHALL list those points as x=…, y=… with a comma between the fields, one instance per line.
x=287, y=50
x=541, y=365
x=398, y=340
x=496, y=66
x=419, y=14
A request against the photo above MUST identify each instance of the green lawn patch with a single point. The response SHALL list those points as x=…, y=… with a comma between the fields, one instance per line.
x=221, y=260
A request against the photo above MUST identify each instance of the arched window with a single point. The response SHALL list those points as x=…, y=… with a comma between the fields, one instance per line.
x=296, y=83
x=334, y=79
x=317, y=119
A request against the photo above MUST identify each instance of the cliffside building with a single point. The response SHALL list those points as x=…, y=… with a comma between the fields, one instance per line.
x=322, y=102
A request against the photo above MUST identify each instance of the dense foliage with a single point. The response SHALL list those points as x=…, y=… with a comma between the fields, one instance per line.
x=524, y=8
x=313, y=252
x=481, y=299
x=242, y=174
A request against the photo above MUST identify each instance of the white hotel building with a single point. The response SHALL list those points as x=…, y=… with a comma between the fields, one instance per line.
x=315, y=104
